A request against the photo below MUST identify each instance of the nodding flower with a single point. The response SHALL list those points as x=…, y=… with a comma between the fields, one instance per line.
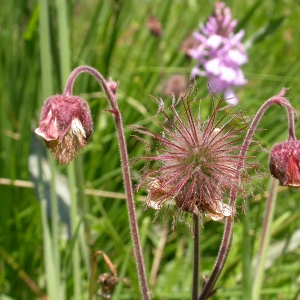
x=65, y=125
x=285, y=163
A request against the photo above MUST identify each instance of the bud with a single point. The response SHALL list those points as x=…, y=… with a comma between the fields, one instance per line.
x=108, y=283
x=176, y=86
x=112, y=85
x=65, y=126
x=188, y=44
x=154, y=26
x=285, y=163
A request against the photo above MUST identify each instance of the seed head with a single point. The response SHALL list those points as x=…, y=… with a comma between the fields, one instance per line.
x=108, y=283
x=65, y=126
x=196, y=163
x=285, y=163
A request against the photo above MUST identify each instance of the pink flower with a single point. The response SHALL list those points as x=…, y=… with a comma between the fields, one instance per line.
x=65, y=125
x=285, y=163
x=220, y=53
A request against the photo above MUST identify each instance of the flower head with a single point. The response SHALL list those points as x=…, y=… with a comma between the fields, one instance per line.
x=220, y=53
x=285, y=163
x=65, y=125
x=154, y=26
x=176, y=85
x=196, y=163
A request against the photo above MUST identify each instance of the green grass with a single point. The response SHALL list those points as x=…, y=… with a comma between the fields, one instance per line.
x=112, y=36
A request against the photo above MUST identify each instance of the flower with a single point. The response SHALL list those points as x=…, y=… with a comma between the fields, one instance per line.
x=188, y=44
x=108, y=283
x=285, y=163
x=220, y=53
x=65, y=125
x=176, y=85
x=196, y=163
x=154, y=26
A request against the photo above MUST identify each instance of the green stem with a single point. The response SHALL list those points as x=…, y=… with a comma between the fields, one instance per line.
x=196, y=263
x=74, y=228
x=54, y=217
x=246, y=257
x=265, y=239
x=65, y=68
x=47, y=90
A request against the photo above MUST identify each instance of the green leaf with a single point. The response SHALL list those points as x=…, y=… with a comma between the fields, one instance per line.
x=261, y=34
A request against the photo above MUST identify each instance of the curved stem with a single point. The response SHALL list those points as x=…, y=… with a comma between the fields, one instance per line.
x=125, y=168
x=227, y=235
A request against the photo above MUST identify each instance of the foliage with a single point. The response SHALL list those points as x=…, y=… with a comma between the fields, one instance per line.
x=113, y=37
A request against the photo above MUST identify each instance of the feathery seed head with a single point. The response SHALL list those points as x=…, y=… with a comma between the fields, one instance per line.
x=196, y=164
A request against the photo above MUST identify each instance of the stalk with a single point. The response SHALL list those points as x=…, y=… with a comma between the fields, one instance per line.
x=196, y=265
x=125, y=168
x=51, y=244
x=227, y=234
x=265, y=239
x=246, y=257
x=65, y=67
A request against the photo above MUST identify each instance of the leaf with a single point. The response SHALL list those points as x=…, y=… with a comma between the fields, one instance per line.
x=262, y=33
x=247, y=18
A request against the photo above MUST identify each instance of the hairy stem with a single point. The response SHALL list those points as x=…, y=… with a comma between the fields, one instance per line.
x=227, y=234
x=125, y=168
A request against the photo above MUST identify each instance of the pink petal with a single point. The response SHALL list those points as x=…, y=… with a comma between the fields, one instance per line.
x=214, y=41
x=230, y=97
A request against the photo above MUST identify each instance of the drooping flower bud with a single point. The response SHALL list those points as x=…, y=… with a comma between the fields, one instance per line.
x=188, y=44
x=285, y=163
x=112, y=85
x=108, y=283
x=154, y=26
x=176, y=86
x=65, y=125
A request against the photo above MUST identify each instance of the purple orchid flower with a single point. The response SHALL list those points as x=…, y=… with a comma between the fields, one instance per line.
x=220, y=53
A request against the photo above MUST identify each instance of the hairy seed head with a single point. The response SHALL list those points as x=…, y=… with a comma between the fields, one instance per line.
x=196, y=163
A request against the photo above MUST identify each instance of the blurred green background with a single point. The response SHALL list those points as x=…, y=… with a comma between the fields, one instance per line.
x=41, y=42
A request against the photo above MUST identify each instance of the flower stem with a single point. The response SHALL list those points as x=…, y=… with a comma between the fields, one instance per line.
x=196, y=264
x=125, y=168
x=65, y=67
x=265, y=239
x=220, y=262
x=75, y=233
x=227, y=234
x=246, y=256
x=51, y=243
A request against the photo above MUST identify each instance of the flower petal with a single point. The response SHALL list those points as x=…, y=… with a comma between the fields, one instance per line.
x=230, y=97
